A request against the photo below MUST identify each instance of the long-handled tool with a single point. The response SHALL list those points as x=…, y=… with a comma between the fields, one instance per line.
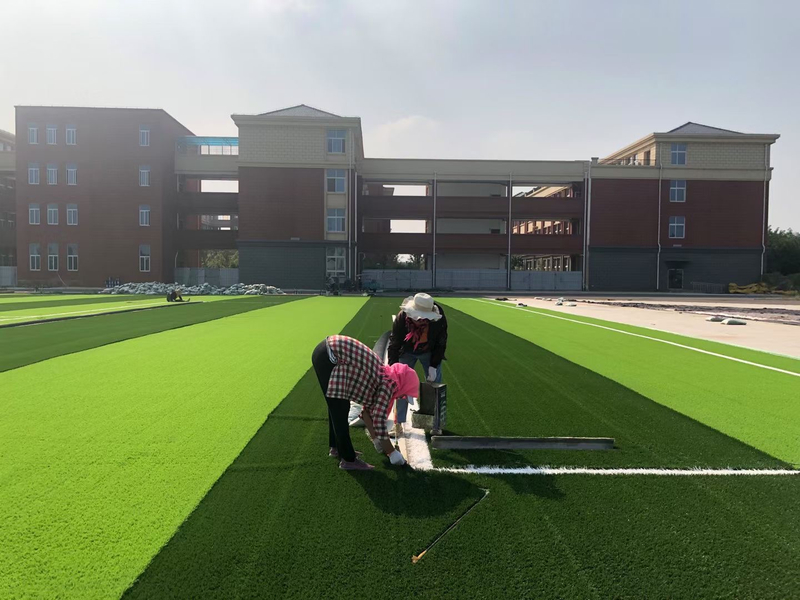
x=418, y=557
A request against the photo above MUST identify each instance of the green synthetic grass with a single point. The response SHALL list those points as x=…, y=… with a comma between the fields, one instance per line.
x=30, y=297
x=103, y=453
x=778, y=361
x=33, y=343
x=754, y=405
x=284, y=522
x=87, y=309
x=502, y=385
x=46, y=303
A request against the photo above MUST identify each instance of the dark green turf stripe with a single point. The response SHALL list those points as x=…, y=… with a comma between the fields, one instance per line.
x=26, y=345
x=284, y=522
x=502, y=385
x=67, y=301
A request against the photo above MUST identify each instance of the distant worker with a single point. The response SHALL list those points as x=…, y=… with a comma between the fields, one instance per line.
x=174, y=296
x=419, y=334
x=349, y=371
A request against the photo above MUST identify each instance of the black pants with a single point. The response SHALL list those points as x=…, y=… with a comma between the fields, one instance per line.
x=338, y=409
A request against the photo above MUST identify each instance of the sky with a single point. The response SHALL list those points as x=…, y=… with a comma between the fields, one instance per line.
x=561, y=79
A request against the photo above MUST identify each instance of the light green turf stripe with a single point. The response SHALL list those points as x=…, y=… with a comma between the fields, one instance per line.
x=780, y=361
x=11, y=298
x=105, y=452
x=56, y=312
x=751, y=404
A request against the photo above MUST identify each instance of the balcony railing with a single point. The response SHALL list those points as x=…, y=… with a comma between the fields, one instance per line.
x=629, y=162
x=208, y=146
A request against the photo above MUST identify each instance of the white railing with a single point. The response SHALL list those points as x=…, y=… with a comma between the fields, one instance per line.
x=217, y=277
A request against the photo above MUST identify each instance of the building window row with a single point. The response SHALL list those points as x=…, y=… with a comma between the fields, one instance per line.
x=336, y=181
x=678, y=154
x=144, y=176
x=335, y=262
x=35, y=257
x=337, y=141
x=144, y=258
x=34, y=214
x=52, y=174
x=51, y=135
x=677, y=190
x=335, y=220
x=677, y=228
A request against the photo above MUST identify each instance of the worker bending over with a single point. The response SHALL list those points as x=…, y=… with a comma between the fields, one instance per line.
x=419, y=334
x=349, y=371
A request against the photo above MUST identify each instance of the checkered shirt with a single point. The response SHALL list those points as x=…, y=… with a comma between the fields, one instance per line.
x=358, y=377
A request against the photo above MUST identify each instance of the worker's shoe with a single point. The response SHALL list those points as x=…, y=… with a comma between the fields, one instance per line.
x=335, y=453
x=357, y=422
x=356, y=465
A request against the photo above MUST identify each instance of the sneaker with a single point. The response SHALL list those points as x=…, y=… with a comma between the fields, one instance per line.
x=335, y=453
x=359, y=422
x=356, y=465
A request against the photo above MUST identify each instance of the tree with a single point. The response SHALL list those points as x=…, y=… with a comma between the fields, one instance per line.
x=220, y=259
x=783, y=251
x=517, y=263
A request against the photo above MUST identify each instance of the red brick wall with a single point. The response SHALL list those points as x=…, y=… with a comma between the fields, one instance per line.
x=624, y=212
x=719, y=214
x=107, y=156
x=281, y=203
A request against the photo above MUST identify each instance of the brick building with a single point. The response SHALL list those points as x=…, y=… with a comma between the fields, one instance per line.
x=124, y=193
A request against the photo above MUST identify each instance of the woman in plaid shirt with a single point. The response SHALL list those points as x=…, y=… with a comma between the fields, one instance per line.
x=349, y=371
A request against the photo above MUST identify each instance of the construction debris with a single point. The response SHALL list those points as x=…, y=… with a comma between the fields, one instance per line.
x=206, y=289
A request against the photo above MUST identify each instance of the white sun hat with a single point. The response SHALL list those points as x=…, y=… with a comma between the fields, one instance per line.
x=420, y=306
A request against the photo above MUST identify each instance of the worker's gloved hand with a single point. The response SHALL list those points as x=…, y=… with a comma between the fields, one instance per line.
x=397, y=459
x=378, y=447
x=432, y=372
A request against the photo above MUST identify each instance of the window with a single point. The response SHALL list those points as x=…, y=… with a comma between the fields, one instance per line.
x=144, y=215
x=52, y=214
x=52, y=257
x=72, y=136
x=33, y=174
x=72, y=214
x=72, y=175
x=52, y=174
x=35, y=257
x=144, y=136
x=677, y=227
x=144, y=176
x=336, y=180
x=678, y=154
x=33, y=214
x=72, y=257
x=336, y=220
x=52, y=135
x=677, y=190
x=144, y=258
x=334, y=262
x=33, y=134
x=646, y=160
x=336, y=141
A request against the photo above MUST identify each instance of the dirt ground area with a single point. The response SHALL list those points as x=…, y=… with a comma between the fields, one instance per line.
x=772, y=324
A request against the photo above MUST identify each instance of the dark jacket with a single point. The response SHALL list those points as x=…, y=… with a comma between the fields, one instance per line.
x=437, y=339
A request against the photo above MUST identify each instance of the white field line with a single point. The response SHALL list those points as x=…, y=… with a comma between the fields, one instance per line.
x=645, y=337
x=418, y=455
x=80, y=312
x=475, y=470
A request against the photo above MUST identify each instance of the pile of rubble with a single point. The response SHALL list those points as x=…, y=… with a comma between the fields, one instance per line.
x=205, y=289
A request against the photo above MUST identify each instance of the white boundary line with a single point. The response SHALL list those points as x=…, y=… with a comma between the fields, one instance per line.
x=418, y=455
x=79, y=312
x=639, y=335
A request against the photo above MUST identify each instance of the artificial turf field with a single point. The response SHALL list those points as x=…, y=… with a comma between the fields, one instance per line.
x=137, y=459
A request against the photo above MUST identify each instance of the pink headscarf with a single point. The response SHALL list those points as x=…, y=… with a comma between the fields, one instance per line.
x=406, y=379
